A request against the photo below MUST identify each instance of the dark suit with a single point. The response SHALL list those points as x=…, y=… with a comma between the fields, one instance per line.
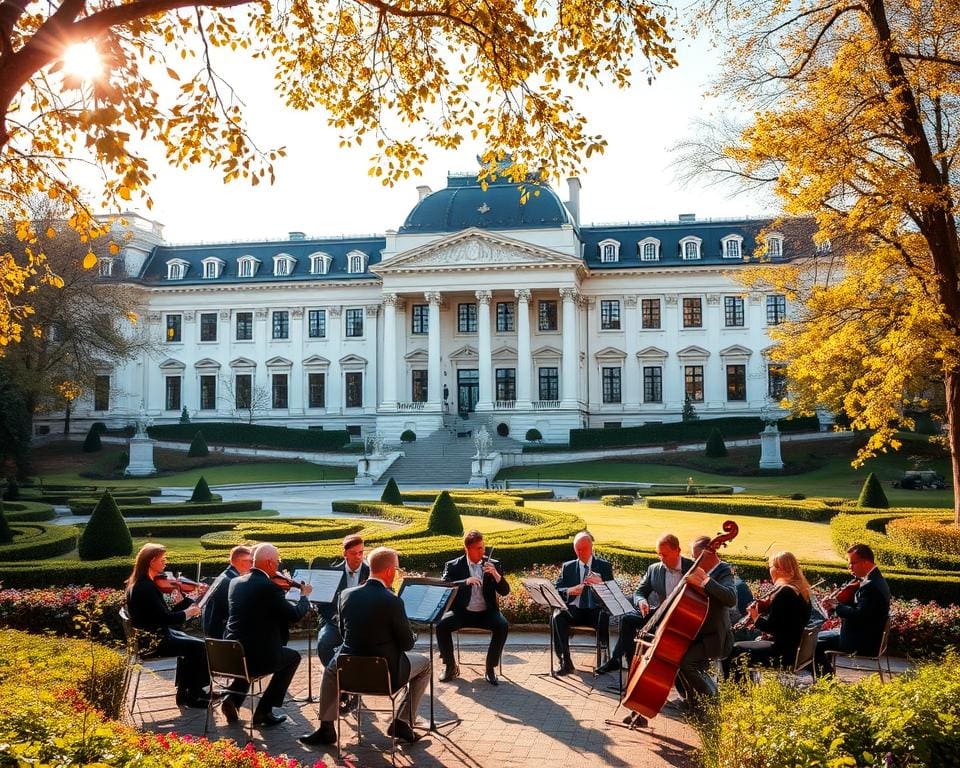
x=785, y=621
x=459, y=616
x=714, y=640
x=375, y=623
x=260, y=618
x=584, y=609
x=216, y=609
x=329, y=637
x=863, y=621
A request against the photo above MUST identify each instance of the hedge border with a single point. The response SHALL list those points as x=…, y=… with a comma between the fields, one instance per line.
x=47, y=541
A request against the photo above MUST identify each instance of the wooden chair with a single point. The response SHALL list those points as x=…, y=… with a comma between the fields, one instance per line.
x=226, y=662
x=852, y=660
x=368, y=676
x=135, y=665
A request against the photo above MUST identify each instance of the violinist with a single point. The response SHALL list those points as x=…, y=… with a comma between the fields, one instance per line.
x=154, y=621
x=355, y=573
x=781, y=617
x=259, y=617
x=215, y=607
x=863, y=619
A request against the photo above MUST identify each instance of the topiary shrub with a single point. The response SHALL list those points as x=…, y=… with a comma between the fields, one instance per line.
x=715, y=445
x=872, y=495
x=201, y=492
x=798, y=496
x=6, y=535
x=92, y=442
x=503, y=429
x=12, y=491
x=184, y=416
x=99, y=426
x=391, y=494
x=106, y=534
x=533, y=436
x=689, y=413
x=444, y=516
x=617, y=501
x=199, y=446
x=408, y=436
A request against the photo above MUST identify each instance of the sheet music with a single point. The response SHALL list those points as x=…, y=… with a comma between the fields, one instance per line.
x=325, y=582
x=424, y=601
x=543, y=592
x=612, y=597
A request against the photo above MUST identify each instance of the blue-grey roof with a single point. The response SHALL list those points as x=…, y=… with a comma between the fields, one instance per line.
x=155, y=268
x=464, y=204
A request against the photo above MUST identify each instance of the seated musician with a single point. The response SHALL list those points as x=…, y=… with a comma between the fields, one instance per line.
x=480, y=580
x=583, y=607
x=355, y=573
x=154, y=622
x=660, y=579
x=862, y=621
x=783, y=622
x=216, y=608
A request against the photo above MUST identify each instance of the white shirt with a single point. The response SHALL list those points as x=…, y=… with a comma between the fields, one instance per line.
x=477, y=603
x=353, y=578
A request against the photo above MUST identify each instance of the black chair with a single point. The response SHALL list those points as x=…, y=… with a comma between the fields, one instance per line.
x=135, y=663
x=227, y=662
x=852, y=660
x=368, y=676
x=601, y=649
x=474, y=631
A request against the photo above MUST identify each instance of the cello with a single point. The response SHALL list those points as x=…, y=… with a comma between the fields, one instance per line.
x=677, y=622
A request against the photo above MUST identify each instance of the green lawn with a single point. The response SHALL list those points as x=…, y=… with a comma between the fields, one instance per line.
x=489, y=524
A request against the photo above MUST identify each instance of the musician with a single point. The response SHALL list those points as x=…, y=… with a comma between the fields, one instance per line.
x=154, y=622
x=714, y=640
x=480, y=580
x=781, y=625
x=583, y=607
x=375, y=623
x=660, y=579
x=215, y=607
x=259, y=618
x=862, y=621
x=355, y=573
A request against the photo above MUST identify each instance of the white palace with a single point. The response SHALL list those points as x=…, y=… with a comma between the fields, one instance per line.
x=507, y=313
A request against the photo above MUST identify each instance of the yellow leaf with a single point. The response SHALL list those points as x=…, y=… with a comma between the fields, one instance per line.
x=89, y=260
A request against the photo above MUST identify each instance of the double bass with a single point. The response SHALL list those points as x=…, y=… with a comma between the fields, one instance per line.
x=677, y=622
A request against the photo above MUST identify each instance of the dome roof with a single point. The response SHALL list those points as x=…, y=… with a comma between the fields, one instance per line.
x=464, y=204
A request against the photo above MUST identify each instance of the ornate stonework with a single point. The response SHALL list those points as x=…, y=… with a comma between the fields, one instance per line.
x=433, y=297
x=224, y=314
x=335, y=311
x=630, y=302
x=189, y=316
x=670, y=301
x=372, y=310
x=713, y=299
x=296, y=313
x=483, y=298
x=260, y=314
x=522, y=294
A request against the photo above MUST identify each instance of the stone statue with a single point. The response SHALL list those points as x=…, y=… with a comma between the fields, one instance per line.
x=142, y=421
x=374, y=444
x=482, y=440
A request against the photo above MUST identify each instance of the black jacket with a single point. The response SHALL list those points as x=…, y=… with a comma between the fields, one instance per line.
x=784, y=622
x=863, y=621
x=216, y=609
x=715, y=633
x=570, y=575
x=328, y=611
x=260, y=616
x=149, y=612
x=458, y=571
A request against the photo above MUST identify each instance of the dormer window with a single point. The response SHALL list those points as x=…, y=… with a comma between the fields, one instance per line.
x=775, y=245
x=732, y=246
x=177, y=269
x=283, y=264
x=609, y=251
x=649, y=249
x=105, y=266
x=212, y=268
x=320, y=263
x=356, y=262
x=247, y=266
x=690, y=248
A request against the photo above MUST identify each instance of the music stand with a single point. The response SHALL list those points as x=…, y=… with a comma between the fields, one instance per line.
x=325, y=583
x=615, y=603
x=543, y=592
x=425, y=601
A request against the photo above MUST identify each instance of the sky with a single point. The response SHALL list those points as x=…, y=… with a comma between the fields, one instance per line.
x=321, y=189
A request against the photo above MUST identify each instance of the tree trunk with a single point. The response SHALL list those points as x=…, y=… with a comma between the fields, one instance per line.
x=66, y=420
x=952, y=386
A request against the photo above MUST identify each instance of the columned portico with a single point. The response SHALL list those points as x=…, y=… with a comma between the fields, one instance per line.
x=485, y=403
x=568, y=384
x=434, y=391
x=389, y=352
x=523, y=348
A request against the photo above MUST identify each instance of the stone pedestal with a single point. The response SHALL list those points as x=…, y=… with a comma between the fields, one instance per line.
x=141, y=457
x=371, y=468
x=770, y=448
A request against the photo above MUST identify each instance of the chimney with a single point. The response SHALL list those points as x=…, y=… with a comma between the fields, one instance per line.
x=422, y=191
x=297, y=236
x=686, y=218
x=573, y=204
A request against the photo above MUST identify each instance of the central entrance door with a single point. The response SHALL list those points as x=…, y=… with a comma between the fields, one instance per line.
x=468, y=389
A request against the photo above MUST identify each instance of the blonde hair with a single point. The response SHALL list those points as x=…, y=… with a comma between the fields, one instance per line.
x=790, y=572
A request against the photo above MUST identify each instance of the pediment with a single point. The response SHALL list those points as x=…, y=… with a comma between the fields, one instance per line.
x=353, y=360
x=419, y=355
x=610, y=353
x=475, y=249
x=653, y=353
x=315, y=361
x=171, y=364
x=279, y=362
x=207, y=363
x=504, y=354
x=242, y=362
x=546, y=351
x=693, y=351
x=736, y=350
x=464, y=353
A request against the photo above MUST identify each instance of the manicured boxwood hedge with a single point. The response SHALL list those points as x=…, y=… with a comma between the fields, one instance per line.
x=812, y=510
x=618, y=501
x=279, y=533
x=188, y=508
x=255, y=436
x=870, y=529
x=36, y=541
x=50, y=495
x=27, y=512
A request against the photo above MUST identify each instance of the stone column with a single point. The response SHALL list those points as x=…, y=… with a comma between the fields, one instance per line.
x=389, y=352
x=189, y=384
x=371, y=379
x=523, y=349
x=296, y=399
x=568, y=385
x=715, y=369
x=632, y=375
x=334, y=380
x=434, y=385
x=485, y=352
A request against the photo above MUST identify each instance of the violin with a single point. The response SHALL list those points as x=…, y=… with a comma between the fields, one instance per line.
x=763, y=608
x=844, y=595
x=285, y=581
x=167, y=583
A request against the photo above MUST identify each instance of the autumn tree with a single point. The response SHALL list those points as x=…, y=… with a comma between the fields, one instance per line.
x=851, y=118
x=403, y=77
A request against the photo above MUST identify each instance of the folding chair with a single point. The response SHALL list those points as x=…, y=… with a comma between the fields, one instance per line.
x=135, y=664
x=601, y=649
x=474, y=631
x=227, y=662
x=852, y=660
x=368, y=676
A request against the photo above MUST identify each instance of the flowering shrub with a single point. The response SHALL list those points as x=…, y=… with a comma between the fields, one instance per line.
x=923, y=630
x=55, y=609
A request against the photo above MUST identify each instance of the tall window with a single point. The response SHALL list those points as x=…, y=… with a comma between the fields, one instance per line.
x=355, y=263
x=505, y=317
x=279, y=382
x=546, y=315
x=691, y=249
x=208, y=326
x=101, y=393
x=317, y=323
x=610, y=315
x=418, y=384
x=774, y=246
x=247, y=266
x=281, y=326
x=354, y=327
x=776, y=308
x=609, y=252
x=319, y=264
x=549, y=383
x=466, y=318
x=244, y=326
x=648, y=251
x=208, y=393
x=105, y=267
x=243, y=391
x=611, y=384
x=733, y=311
x=650, y=313
x=776, y=381
x=354, y=386
x=174, y=326
x=652, y=384
x=506, y=383
x=420, y=319
x=736, y=382
x=731, y=248
x=316, y=390
x=172, y=393
x=692, y=313
x=693, y=382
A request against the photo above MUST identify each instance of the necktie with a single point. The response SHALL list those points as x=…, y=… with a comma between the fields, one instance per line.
x=586, y=600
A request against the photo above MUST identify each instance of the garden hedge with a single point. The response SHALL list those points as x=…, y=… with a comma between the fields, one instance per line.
x=255, y=436
x=940, y=536
x=847, y=529
x=28, y=512
x=185, y=508
x=618, y=501
x=37, y=541
x=811, y=510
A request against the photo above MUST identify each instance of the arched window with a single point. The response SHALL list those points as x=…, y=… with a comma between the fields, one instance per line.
x=177, y=269
x=247, y=266
x=775, y=245
x=212, y=267
x=356, y=262
x=649, y=249
x=690, y=248
x=105, y=266
x=609, y=251
x=732, y=246
x=320, y=263
x=283, y=264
